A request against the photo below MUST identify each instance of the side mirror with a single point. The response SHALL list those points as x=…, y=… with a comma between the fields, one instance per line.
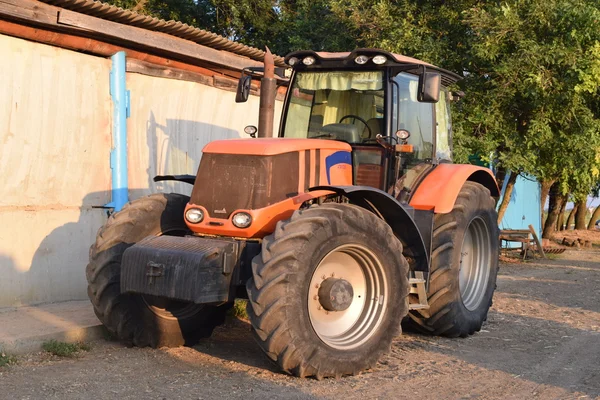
x=429, y=87
x=243, y=89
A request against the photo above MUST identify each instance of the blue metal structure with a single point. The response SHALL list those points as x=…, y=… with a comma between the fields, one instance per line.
x=524, y=207
x=121, y=111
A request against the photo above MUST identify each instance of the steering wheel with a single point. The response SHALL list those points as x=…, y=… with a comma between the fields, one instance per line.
x=358, y=118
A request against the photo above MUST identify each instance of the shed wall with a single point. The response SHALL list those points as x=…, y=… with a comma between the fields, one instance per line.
x=524, y=207
x=55, y=139
x=55, y=117
x=171, y=121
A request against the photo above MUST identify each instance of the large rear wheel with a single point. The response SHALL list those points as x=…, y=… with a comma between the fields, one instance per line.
x=328, y=291
x=136, y=319
x=464, y=266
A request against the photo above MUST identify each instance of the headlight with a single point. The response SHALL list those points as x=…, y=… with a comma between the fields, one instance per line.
x=241, y=219
x=379, y=59
x=293, y=61
x=361, y=60
x=194, y=215
x=308, y=60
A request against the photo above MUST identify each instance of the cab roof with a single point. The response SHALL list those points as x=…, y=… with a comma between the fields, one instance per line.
x=346, y=59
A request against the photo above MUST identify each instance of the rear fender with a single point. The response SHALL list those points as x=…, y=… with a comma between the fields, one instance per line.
x=400, y=217
x=440, y=188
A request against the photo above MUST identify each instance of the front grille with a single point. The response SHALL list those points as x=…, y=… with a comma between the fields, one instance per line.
x=229, y=182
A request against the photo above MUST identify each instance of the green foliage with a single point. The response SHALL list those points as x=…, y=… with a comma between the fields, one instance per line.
x=239, y=309
x=531, y=68
x=7, y=360
x=63, y=349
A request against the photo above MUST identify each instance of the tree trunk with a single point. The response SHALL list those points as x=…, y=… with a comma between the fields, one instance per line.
x=571, y=218
x=553, y=210
x=507, y=195
x=564, y=199
x=595, y=217
x=581, y=214
x=544, y=195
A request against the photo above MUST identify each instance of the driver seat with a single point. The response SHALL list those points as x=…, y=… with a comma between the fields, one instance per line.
x=376, y=125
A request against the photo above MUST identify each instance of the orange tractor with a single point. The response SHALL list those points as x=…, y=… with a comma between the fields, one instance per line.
x=353, y=221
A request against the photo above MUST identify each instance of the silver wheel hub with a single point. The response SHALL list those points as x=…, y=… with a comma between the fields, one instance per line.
x=347, y=297
x=335, y=294
x=475, y=262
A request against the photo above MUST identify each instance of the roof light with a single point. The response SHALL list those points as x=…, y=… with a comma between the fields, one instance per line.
x=293, y=61
x=308, y=60
x=379, y=59
x=361, y=60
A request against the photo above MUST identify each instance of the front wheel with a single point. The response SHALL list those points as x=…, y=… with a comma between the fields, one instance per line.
x=138, y=319
x=328, y=291
x=464, y=266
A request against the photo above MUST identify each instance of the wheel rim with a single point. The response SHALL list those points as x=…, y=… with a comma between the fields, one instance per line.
x=475, y=261
x=353, y=326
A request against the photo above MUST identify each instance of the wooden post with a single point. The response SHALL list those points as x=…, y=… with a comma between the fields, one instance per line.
x=537, y=241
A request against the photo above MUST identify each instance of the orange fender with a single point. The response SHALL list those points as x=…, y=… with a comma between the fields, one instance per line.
x=439, y=189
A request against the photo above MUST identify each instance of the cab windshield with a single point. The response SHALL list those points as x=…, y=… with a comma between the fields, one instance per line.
x=342, y=105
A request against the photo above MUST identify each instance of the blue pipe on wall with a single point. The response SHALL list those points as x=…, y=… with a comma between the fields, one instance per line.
x=118, y=153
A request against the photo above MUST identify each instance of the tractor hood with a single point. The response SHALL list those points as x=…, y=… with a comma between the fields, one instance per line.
x=272, y=146
x=250, y=174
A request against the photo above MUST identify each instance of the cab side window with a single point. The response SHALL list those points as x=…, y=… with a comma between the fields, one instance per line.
x=409, y=114
x=443, y=150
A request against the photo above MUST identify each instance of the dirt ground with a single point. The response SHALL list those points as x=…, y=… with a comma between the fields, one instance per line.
x=541, y=340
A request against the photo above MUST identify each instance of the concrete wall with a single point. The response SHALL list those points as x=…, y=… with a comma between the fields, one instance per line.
x=170, y=123
x=55, y=138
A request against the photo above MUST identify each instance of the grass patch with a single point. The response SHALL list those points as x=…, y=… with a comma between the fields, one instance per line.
x=63, y=349
x=6, y=360
x=239, y=309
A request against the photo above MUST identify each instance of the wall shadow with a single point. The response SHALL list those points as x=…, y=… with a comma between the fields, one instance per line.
x=176, y=148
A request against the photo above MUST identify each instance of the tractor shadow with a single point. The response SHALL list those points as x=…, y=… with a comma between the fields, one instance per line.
x=233, y=341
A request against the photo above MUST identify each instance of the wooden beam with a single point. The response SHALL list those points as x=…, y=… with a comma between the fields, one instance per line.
x=35, y=13
x=157, y=42
x=99, y=48
x=27, y=10
x=146, y=68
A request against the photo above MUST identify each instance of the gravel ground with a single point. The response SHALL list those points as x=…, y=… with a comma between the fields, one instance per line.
x=541, y=340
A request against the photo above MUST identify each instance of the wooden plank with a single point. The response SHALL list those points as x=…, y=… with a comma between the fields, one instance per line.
x=537, y=241
x=27, y=10
x=156, y=41
x=146, y=68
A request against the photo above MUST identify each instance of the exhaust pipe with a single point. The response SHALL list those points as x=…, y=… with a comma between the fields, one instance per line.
x=268, y=91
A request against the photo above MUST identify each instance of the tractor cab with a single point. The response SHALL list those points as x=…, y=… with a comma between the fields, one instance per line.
x=393, y=110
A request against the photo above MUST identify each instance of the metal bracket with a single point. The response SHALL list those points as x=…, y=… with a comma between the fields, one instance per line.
x=418, y=294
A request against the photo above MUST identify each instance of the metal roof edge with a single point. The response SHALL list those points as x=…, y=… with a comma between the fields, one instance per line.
x=178, y=29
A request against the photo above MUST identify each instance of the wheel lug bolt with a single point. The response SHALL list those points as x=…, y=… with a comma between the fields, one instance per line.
x=326, y=312
x=332, y=274
x=317, y=286
x=323, y=277
x=316, y=297
x=319, y=308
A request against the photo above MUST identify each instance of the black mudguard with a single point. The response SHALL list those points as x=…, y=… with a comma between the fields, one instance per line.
x=412, y=227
